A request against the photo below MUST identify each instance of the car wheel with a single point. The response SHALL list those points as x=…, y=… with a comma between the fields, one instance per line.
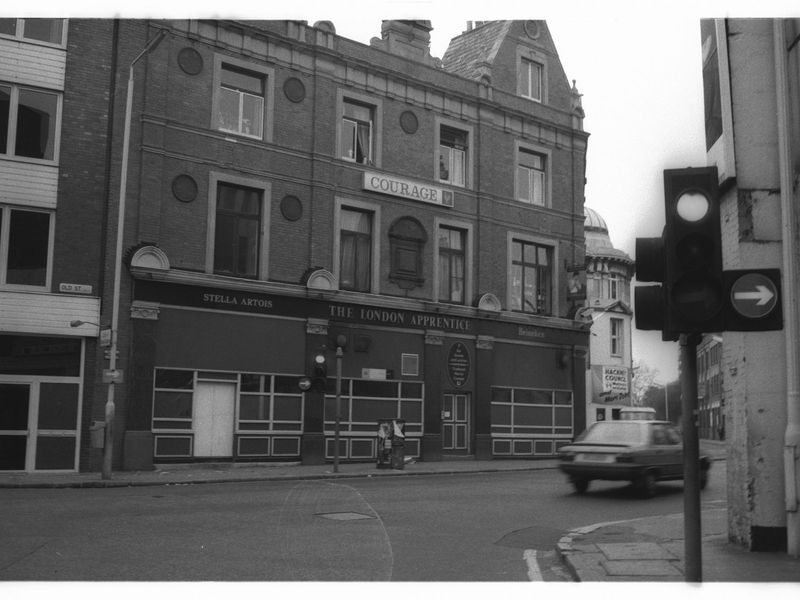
x=581, y=485
x=647, y=484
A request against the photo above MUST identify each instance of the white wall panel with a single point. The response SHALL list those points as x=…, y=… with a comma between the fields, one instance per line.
x=30, y=64
x=48, y=314
x=28, y=184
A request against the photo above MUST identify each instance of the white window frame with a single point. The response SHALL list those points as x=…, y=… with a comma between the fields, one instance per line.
x=543, y=241
x=526, y=57
x=547, y=155
x=616, y=335
x=13, y=111
x=376, y=133
x=468, y=160
x=467, y=228
x=267, y=73
x=5, y=226
x=264, y=227
x=375, y=209
x=614, y=286
x=21, y=27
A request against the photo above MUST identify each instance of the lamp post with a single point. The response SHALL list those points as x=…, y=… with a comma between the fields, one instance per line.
x=341, y=342
x=112, y=376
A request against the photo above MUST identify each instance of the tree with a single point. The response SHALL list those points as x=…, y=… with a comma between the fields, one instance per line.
x=666, y=400
x=641, y=381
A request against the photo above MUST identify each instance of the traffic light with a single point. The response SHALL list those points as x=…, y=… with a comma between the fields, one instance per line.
x=649, y=299
x=320, y=376
x=693, y=277
x=686, y=260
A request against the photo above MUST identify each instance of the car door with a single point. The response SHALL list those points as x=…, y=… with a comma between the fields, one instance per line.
x=666, y=453
x=674, y=450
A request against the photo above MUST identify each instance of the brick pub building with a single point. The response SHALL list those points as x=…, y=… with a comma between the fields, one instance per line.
x=291, y=191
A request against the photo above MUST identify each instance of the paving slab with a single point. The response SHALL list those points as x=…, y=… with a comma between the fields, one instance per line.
x=635, y=550
x=641, y=568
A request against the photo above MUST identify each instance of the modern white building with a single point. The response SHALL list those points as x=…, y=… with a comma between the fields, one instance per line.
x=608, y=305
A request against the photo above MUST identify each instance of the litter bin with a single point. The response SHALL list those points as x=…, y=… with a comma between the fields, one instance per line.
x=384, y=444
x=398, y=443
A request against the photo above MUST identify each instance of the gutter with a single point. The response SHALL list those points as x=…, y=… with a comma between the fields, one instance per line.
x=791, y=266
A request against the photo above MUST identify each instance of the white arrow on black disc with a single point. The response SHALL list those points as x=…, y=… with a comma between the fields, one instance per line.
x=763, y=295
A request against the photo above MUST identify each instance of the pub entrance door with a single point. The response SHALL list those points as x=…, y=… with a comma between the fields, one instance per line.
x=455, y=423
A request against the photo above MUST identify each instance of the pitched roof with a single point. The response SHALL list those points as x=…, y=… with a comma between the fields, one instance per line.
x=469, y=51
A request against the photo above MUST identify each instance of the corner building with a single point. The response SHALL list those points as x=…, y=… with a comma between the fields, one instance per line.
x=291, y=191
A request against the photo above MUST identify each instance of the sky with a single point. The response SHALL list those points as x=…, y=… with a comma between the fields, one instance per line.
x=637, y=64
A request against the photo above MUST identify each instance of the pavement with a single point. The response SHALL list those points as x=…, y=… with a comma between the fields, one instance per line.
x=637, y=550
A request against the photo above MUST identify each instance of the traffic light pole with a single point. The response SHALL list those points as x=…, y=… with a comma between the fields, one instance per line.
x=693, y=562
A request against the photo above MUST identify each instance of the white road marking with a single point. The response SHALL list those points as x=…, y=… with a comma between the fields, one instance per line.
x=534, y=572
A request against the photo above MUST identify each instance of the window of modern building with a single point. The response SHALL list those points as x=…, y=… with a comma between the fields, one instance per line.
x=25, y=243
x=531, y=79
x=357, y=132
x=29, y=122
x=452, y=156
x=452, y=264
x=50, y=31
x=617, y=336
x=532, y=177
x=237, y=230
x=355, y=250
x=240, y=106
x=531, y=275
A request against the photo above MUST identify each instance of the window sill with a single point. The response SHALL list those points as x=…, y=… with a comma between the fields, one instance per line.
x=246, y=136
x=44, y=162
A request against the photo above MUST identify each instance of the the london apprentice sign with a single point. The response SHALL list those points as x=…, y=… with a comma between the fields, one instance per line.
x=398, y=318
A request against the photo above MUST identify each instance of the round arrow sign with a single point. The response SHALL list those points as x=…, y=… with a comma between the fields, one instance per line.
x=754, y=295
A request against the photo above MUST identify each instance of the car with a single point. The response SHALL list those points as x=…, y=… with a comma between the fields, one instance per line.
x=637, y=413
x=642, y=452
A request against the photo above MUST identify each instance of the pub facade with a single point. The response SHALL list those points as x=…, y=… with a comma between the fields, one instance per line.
x=293, y=194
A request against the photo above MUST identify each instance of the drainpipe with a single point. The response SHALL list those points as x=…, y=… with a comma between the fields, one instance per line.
x=790, y=297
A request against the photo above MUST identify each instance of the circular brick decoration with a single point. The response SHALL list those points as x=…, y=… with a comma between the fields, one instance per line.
x=190, y=61
x=409, y=122
x=184, y=188
x=532, y=29
x=291, y=208
x=294, y=89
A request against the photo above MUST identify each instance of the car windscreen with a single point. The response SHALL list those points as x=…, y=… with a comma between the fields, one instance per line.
x=614, y=432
